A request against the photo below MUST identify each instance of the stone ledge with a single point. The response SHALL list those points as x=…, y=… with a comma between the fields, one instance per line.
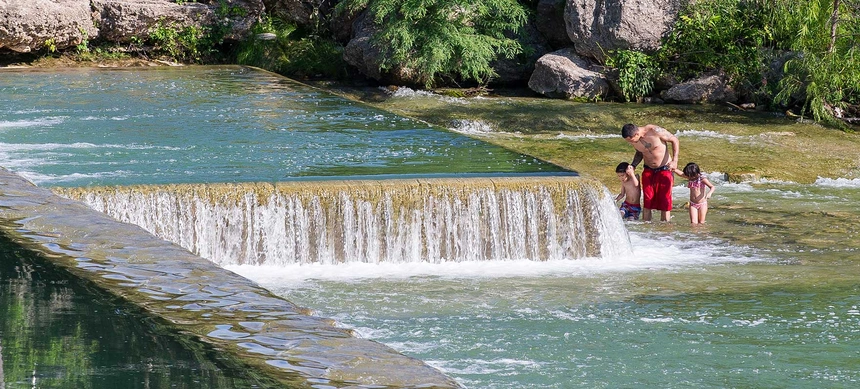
x=217, y=306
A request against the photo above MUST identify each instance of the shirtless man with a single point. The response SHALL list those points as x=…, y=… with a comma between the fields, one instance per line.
x=650, y=143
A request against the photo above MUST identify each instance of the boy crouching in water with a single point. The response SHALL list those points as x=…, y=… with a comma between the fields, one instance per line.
x=631, y=192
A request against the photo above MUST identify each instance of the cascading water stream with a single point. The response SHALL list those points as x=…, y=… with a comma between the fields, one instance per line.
x=393, y=221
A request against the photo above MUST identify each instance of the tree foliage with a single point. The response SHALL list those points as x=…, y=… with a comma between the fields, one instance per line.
x=826, y=73
x=741, y=37
x=280, y=47
x=455, y=39
x=718, y=34
x=636, y=73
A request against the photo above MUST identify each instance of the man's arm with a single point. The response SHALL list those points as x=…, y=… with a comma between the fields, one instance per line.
x=667, y=137
x=633, y=178
x=636, y=159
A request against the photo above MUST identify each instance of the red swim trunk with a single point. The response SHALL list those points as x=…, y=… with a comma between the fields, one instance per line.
x=657, y=188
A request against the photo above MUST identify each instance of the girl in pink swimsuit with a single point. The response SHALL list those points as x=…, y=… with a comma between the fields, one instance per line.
x=701, y=190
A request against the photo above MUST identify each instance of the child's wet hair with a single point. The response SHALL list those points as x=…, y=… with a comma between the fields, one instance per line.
x=692, y=170
x=622, y=167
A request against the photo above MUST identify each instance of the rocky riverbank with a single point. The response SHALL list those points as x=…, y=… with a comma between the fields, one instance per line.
x=565, y=42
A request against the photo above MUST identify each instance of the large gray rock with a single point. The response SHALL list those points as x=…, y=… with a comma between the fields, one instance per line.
x=563, y=74
x=27, y=25
x=711, y=88
x=598, y=27
x=121, y=20
x=361, y=53
x=550, y=14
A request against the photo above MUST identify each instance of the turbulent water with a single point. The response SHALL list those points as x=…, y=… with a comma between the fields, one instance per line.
x=752, y=299
x=391, y=221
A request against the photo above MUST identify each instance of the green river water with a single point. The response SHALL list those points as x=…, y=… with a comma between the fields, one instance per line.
x=765, y=295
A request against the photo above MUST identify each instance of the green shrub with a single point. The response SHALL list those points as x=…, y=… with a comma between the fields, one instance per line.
x=741, y=36
x=826, y=73
x=636, y=73
x=187, y=43
x=717, y=34
x=453, y=39
x=280, y=47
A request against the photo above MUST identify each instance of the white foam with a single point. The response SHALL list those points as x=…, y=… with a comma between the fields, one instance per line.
x=474, y=366
x=43, y=122
x=657, y=319
x=649, y=253
x=708, y=134
x=774, y=181
x=471, y=127
x=39, y=178
x=731, y=138
x=838, y=182
x=586, y=136
x=27, y=147
x=22, y=162
x=405, y=92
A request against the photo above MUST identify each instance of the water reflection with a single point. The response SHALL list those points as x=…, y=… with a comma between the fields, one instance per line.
x=58, y=331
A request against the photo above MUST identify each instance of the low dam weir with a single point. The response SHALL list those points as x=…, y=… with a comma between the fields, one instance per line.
x=215, y=306
x=391, y=221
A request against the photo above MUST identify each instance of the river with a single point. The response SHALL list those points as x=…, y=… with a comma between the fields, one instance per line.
x=764, y=295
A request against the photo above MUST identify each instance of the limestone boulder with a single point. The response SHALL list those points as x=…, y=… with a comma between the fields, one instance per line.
x=710, y=88
x=598, y=27
x=564, y=74
x=124, y=20
x=550, y=13
x=28, y=25
x=367, y=58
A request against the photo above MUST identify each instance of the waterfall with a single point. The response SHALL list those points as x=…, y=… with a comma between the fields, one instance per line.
x=430, y=220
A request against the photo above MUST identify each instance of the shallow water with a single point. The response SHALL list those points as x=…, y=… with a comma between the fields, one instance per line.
x=765, y=295
x=216, y=124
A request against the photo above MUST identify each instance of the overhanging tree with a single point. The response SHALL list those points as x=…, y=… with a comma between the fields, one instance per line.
x=443, y=39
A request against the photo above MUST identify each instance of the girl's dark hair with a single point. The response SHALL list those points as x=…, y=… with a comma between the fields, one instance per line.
x=692, y=170
x=622, y=167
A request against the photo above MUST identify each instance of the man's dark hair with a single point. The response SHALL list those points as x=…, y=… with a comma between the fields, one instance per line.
x=622, y=167
x=628, y=130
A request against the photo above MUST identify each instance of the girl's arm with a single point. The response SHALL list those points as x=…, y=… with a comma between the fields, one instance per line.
x=710, y=186
x=679, y=172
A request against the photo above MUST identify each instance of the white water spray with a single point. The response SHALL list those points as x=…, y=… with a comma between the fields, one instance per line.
x=392, y=221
